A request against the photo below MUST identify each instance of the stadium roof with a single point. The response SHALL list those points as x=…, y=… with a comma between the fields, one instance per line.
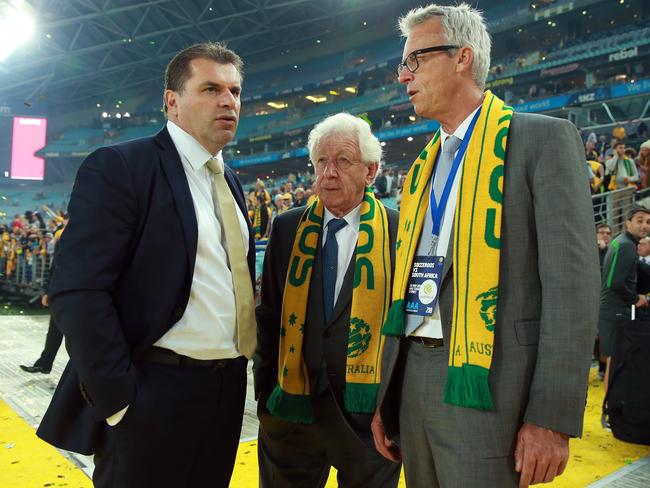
x=94, y=49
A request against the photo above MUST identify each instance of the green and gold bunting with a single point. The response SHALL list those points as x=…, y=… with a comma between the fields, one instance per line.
x=476, y=241
x=290, y=399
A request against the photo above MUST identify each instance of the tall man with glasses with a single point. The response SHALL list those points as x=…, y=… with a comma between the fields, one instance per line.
x=325, y=295
x=153, y=292
x=485, y=367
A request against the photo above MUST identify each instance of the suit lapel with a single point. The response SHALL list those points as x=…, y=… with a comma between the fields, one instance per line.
x=173, y=169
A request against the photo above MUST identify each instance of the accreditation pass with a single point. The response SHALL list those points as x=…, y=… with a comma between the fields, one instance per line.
x=424, y=285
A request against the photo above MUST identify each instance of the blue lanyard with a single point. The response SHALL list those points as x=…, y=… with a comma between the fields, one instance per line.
x=438, y=210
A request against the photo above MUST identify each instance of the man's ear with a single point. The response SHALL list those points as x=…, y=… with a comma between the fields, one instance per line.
x=169, y=98
x=465, y=59
x=372, y=172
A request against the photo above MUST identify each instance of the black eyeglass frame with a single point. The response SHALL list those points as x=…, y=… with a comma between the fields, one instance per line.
x=404, y=64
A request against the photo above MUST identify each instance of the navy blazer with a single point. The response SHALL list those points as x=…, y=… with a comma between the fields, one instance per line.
x=124, y=270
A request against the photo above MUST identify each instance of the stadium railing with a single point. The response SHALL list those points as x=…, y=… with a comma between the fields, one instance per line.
x=25, y=275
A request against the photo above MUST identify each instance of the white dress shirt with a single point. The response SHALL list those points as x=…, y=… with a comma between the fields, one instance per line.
x=346, y=238
x=432, y=326
x=208, y=328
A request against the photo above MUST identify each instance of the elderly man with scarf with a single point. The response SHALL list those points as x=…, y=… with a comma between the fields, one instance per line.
x=325, y=294
x=485, y=371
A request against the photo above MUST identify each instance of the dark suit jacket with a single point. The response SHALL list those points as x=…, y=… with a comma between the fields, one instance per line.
x=332, y=343
x=548, y=296
x=124, y=270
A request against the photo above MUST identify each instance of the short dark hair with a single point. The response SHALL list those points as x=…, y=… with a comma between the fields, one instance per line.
x=635, y=210
x=619, y=143
x=604, y=226
x=178, y=70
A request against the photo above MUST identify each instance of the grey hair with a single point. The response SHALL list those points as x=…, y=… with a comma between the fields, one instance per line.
x=346, y=124
x=462, y=26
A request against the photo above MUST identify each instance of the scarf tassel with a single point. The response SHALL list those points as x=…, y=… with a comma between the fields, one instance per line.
x=360, y=398
x=468, y=386
x=395, y=324
x=290, y=408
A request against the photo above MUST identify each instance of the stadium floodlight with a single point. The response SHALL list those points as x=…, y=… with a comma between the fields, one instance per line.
x=16, y=25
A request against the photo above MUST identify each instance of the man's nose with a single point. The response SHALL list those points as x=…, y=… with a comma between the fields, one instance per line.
x=331, y=170
x=227, y=99
x=405, y=76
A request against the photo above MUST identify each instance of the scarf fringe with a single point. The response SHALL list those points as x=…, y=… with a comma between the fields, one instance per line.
x=360, y=398
x=468, y=386
x=395, y=324
x=291, y=408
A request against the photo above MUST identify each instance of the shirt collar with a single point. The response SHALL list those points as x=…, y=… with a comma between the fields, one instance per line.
x=190, y=148
x=353, y=217
x=461, y=130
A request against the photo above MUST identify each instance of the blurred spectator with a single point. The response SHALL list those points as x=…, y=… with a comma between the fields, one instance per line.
x=643, y=250
x=53, y=337
x=592, y=138
x=287, y=200
x=603, y=237
x=642, y=162
x=618, y=132
x=622, y=169
x=261, y=218
x=609, y=150
x=381, y=184
x=590, y=151
x=601, y=145
x=259, y=190
x=300, y=199
x=642, y=130
x=598, y=171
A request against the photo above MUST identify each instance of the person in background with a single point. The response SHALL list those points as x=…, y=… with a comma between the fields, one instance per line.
x=261, y=218
x=619, y=281
x=603, y=238
x=54, y=337
x=300, y=199
x=642, y=162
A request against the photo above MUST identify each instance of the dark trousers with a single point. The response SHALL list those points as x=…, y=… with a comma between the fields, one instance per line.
x=53, y=341
x=182, y=429
x=300, y=456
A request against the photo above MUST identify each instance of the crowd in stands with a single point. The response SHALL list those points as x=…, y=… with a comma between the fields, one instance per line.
x=622, y=161
x=27, y=237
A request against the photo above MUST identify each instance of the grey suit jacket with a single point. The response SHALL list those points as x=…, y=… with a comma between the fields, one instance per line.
x=548, y=296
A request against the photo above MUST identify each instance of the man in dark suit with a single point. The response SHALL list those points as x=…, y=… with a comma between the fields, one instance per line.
x=541, y=317
x=349, y=236
x=153, y=293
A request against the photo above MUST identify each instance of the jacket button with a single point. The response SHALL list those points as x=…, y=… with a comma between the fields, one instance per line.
x=327, y=334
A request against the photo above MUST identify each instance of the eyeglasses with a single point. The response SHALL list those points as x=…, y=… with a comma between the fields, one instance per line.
x=411, y=61
x=341, y=164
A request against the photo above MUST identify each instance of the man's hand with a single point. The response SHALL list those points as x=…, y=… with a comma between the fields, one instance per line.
x=541, y=454
x=642, y=301
x=383, y=444
x=602, y=244
x=45, y=300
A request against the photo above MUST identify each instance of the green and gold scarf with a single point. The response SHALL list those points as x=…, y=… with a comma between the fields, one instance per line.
x=290, y=399
x=476, y=241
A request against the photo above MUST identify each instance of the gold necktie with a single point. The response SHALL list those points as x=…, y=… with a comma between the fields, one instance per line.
x=241, y=282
